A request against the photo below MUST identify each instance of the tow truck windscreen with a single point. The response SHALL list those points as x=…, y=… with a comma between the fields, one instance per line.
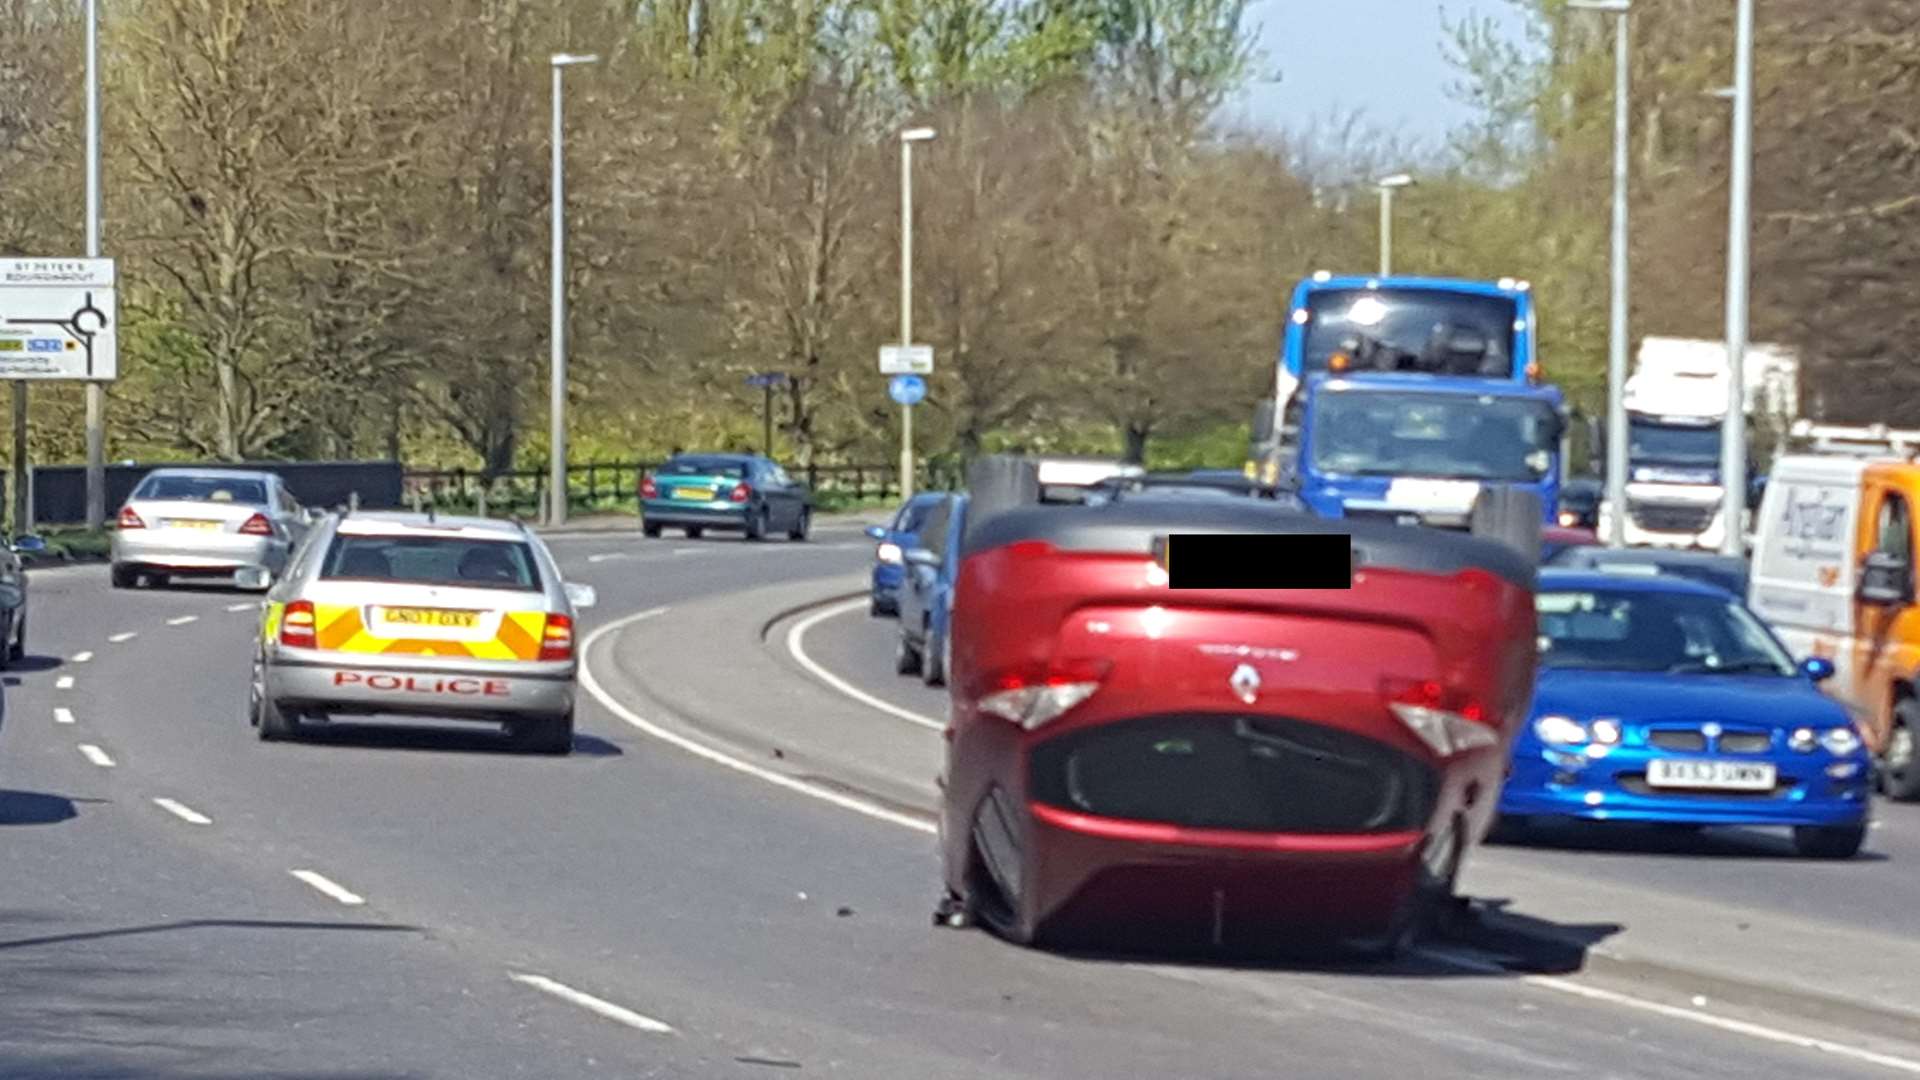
x=1422, y=328
x=1454, y=436
x=1673, y=444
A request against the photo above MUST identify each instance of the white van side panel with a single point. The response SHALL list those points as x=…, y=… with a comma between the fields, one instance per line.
x=1802, y=581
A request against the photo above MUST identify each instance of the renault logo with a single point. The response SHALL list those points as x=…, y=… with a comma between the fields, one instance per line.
x=1245, y=682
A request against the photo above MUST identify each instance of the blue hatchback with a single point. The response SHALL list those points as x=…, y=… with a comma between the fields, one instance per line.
x=895, y=539
x=1661, y=699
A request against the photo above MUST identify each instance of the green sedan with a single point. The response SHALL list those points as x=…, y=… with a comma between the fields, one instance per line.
x=744, y=493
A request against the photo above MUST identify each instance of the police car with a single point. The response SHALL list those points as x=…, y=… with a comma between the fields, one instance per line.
x=409, y=615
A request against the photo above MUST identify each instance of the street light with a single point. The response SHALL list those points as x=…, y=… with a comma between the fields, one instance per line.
x=96, y=392
x=1733, y=429
x=557, y=433
x=1387, y=185
x=907, y=139
x=1617, y=322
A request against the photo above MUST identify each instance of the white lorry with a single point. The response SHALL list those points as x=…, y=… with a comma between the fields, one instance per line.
x=1676, y=400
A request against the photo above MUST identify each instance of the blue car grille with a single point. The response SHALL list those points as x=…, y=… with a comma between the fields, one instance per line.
x=1669, y=739
x=1692, y=740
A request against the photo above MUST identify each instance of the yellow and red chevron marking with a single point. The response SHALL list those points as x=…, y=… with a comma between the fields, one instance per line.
x=340, y=629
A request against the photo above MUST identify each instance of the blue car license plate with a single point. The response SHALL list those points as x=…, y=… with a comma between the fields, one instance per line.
x=1699, y=774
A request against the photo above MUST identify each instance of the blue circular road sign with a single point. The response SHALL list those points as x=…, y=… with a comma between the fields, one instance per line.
x=907, y=389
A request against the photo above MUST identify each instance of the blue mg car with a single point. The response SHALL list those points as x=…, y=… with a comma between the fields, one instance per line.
x=1661, y=699
x=894, y=540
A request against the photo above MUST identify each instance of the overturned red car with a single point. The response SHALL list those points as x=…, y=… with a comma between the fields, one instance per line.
x=1131, y=764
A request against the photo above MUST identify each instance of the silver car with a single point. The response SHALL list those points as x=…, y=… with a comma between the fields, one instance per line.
x=409, y=615
x=205, y=523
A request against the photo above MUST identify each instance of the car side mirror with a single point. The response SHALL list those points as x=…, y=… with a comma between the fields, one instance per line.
x=875, y=532
x=1886, y=580
x=252, y=578
x=29, y=545
x=581, y=596
x=1817, y=668
x=923, y=557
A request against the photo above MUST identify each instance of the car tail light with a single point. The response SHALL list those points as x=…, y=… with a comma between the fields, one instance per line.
x=740, y=493
x=130, y=520
x=258, y=525
x=296, y=625
x=556, y=641
x=649, y=489
x=1040, y=696
x=1447, y=719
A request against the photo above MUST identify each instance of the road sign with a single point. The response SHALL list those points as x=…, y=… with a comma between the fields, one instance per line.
x=59, y=319
x=768, y=378
x=907, y=389
x=906, y=359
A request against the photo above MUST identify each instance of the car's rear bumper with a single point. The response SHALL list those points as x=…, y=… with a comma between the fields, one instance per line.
x=471, y=691
x=190, y=552
x=703, y=515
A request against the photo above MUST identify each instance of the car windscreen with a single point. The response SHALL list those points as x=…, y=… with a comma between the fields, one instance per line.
x=1655, y=630
x=1673, y=444
x=732, y=468
x=454, y=561
x=1456, y=436
x=1410, y=323
x=188, y=488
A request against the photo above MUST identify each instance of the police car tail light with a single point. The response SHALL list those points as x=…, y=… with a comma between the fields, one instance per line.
x=297, y=626
x=1040, y=695
x=258, y=525
x=1447, y=719
x=740, y=493
x=130, y=520
x=649, y=489
x=556, y=641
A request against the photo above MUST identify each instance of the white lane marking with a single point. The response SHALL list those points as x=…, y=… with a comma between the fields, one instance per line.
x=251, y=605
x=82, y=657
x=63, y=716
x=183, y=620
x=321, y=884
x=1677, y=1012
x=116, y=639
x=796, y=645
x=686, y=551
x=96, y=755
x=605, y=555
x=593, y=1004
x=182, y=811
x=64, y=682
x=824, y=794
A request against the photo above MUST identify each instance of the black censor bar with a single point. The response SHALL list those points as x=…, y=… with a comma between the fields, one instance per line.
x=1257, y=561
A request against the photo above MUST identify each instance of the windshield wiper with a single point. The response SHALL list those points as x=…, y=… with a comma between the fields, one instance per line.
x=1738, y=667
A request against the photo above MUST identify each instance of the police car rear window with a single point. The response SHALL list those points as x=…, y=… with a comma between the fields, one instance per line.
x=433, y=560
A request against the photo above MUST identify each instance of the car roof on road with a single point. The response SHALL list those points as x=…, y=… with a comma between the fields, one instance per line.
x=1552, y=579
x=394, y=523
x=213, y=471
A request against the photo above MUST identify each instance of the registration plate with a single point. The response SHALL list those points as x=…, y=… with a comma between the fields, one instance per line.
x=193, y=523
x=430, y=617
x=695, y=494
x=1709, y=774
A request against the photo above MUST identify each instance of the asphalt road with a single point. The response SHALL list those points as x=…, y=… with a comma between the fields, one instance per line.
x=631, y=910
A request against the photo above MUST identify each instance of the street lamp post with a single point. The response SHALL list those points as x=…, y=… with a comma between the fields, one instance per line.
x=1387, y=185
x=557, y=335
x=907, y=139
x=96, y=392
x=1733, y=430
x=1617, y=321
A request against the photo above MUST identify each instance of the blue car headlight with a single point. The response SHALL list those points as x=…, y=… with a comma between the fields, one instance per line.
x=1840, y=741
x=1561, y=731
x=1803, y=740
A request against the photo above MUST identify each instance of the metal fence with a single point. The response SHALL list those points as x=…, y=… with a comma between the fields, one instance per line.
x=614, y=486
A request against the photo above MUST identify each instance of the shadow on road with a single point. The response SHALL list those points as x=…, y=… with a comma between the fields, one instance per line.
x=205, y=924
x=1623, y=838
x=449, y=740
x=33, y=665
x=35, y=808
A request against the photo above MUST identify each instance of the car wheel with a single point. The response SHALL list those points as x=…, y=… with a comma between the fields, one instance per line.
x=650, y=530
x=1510, y=829
x=757, y=524
x=1900, y=765
x=124, y=577
x=7, y=655
x=275, y=723
x=875, y=609
x=544, y=734
x=906, y=658
x=695, y=532
x=1829, y=841
x=1432, y=903
x=801, y=524
x=933, y=670
x=18, y=650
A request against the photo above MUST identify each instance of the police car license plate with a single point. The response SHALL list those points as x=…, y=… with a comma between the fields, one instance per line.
x=461, y=620
x=1710, y=775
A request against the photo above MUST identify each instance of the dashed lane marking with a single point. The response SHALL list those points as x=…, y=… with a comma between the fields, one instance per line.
x=63, y=716
x=183, y=620
x=322, y=884
x=96, y=755
x=182, y=811
x=125, y=635
x=82, y=657
x=598, y=1006
x=64, y=682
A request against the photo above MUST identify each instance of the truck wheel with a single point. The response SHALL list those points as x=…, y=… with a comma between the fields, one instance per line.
x=998, y=483
x=1900, y=766
x=1509, y=516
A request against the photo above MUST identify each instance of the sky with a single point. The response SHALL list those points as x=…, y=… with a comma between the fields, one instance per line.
x=1382, y=56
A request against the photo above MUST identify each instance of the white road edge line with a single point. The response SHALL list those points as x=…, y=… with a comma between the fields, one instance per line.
x=593, y=1004
x=63, y=715
x=183, y=620
x=64, y=682
x=182, y=811
x=96, y=755
x=796, y=645
x=881, y=813
x=816, y=791
x=249, y=606
x=126, y=635
x=1677, y=1012
x=333, y=889
x=82, y=657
